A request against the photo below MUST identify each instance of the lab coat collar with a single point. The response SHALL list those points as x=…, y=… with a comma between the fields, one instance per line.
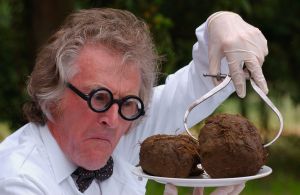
x=62, y=167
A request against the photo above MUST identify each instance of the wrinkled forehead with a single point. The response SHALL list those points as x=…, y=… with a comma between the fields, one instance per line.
x=120, y=60
x=99, y=64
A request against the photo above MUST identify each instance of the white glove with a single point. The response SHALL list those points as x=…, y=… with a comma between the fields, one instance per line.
x=170, y=189
x=227, y=190
x=231, y=37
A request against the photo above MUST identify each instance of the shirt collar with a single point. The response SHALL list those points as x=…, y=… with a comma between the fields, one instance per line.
x=61, y=165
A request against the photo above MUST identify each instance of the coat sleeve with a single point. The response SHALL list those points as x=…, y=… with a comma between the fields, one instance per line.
x=171, y=100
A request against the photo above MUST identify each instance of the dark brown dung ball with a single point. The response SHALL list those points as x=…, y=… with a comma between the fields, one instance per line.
x=170, y=156
x=230, y=146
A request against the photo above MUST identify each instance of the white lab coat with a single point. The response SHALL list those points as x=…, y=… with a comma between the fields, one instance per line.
x=33, y=164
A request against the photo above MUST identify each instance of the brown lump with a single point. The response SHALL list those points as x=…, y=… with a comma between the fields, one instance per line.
x=170, y=156
x=230, y=146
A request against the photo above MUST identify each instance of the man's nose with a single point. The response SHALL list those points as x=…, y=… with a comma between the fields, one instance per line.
x=110, y=117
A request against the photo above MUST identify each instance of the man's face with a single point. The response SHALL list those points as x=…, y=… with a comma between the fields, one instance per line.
x=86, y=137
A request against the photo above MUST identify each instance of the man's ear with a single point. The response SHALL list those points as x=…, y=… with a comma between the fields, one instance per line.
x=54, y=110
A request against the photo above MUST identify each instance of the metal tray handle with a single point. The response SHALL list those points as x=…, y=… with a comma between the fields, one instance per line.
x=222, y=85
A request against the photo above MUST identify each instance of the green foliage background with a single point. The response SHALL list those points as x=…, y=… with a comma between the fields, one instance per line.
x=26, y=24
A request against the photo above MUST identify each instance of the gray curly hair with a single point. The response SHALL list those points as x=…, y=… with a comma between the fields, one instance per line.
x=118, y=30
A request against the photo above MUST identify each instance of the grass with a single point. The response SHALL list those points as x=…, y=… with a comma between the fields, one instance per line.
x=4, y=131
x=278, y=183
x=284, y=159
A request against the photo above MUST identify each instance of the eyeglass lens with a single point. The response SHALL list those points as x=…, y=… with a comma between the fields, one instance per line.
x=130, y=107
x=101, y=100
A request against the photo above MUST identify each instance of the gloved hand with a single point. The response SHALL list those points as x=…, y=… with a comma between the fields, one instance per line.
x=226, y=190
x=231, y=37
x=170, y=189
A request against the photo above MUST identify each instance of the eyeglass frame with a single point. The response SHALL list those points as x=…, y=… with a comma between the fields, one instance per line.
x=88, y=98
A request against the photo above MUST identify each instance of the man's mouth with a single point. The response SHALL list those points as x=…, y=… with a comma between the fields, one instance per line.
x=100, y=139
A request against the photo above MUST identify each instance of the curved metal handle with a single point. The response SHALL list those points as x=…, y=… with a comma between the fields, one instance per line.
x=272, y=106
x=202, y=99
x=222, y=85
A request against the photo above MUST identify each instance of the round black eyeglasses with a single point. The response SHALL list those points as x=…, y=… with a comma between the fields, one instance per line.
x=100, y=100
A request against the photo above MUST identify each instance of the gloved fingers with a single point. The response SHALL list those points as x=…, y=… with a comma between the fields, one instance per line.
x=214, y=58
x=229, y=190
x=264, y=42
x=238, y=77
x=244, y=39
x=231, y=37
x=246, y=74
x=198, y=191
x=216, y=15
x=237, y=189
x=170, y=189
x=256, y=73
x=224, y=190
x=257, y=51
x=257, y=43
x=244, y=49
x=253, y=61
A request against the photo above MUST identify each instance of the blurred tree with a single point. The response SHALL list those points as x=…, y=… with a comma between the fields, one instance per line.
x=14, y=59
x=24, y=26
x=45, y=17
x=159, y=23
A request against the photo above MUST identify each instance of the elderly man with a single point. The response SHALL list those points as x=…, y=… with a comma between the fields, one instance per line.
x=93, y=101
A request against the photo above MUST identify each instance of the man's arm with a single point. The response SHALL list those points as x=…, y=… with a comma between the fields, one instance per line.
x=171, y=100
